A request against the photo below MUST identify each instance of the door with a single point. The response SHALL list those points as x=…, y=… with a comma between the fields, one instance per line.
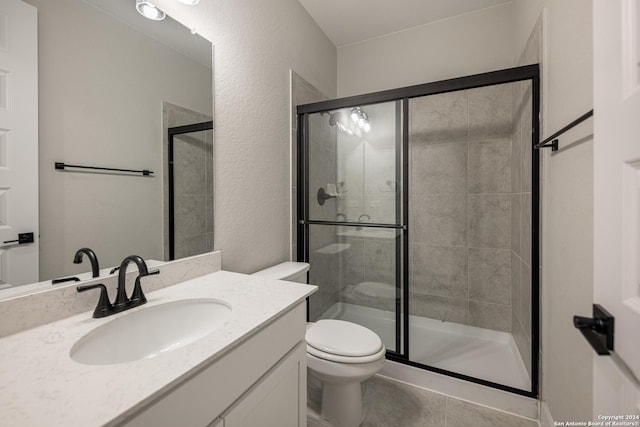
x=616, y=26
x=18, y=142
x=353, y=219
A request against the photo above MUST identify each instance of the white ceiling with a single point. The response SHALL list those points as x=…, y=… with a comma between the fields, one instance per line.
x=351, y=21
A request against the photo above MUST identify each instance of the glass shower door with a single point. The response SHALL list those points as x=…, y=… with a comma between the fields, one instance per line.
x=353, y=217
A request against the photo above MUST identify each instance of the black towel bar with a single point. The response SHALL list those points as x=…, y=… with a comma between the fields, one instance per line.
x=554, y=138
x=62, y=166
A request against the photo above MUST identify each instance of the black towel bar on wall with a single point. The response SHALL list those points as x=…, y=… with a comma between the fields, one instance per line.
x=552, y=141
x=63, y=166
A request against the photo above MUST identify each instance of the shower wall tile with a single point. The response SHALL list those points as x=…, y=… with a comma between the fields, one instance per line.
x=186, y=246
x=294, y=158
x=190, y=215
x=523, y=343
x=527, y=142
x=490, y=167
x=490, y=221
x=381, y=207
x=321, y=172
x=439, y=168
x=525, y=280
x=516, y=162
x=463, y=414
x=360, y=295
x=323, y=273
x=490, y=112
x=209, y=241
x=516, y=223
x=439, y=270
x=380, y=261
x=191, y=144
x=439, y=307
x=516, y=106
x=294, y=223
x=490, y=316
x=351, y=262
x=379, y=169
x=303, y=92
x=189, y=174
x=490, y=275
x=438, y=118
x=438, y=220
x=516, y=290
x=209, y=214
x=321, y=133
x=526, y=227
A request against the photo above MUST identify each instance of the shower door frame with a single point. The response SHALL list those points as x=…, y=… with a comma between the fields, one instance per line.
x=510, y=75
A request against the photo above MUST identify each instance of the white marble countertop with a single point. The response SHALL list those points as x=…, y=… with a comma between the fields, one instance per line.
x=41, y=385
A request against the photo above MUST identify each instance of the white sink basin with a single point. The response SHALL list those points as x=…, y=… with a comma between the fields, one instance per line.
x=150, y=331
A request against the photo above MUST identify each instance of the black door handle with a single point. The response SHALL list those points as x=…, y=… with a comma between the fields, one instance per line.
x=22, y=239
x=597, y=330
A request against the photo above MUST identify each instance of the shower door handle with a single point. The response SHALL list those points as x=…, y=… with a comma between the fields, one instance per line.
x=598, y=330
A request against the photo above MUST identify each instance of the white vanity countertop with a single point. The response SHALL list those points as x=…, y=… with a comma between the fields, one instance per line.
x=41, y=385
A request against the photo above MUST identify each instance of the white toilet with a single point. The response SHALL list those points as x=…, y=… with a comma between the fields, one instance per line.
x=340, y=355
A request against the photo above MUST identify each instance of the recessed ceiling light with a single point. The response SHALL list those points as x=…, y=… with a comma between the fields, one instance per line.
x=190, y=2
x=149, y=11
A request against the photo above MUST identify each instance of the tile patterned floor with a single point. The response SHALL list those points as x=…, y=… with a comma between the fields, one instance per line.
x=389, y=403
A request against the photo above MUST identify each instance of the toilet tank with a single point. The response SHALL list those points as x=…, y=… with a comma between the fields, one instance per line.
x=290, y=271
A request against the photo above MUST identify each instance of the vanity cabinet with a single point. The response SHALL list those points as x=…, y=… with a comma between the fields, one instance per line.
x=259, y=382
x=276, y=399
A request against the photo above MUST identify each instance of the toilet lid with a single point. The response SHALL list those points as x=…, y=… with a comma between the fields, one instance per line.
x=343, y=338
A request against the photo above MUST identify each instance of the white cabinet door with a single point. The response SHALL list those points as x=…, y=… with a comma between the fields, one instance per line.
x=279, y=399
x=616, y=25
x=18, y=141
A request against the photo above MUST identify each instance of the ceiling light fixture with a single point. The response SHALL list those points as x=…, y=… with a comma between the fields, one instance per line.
x=149, y=11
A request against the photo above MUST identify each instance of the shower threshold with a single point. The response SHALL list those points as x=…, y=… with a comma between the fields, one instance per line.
x=468, y=350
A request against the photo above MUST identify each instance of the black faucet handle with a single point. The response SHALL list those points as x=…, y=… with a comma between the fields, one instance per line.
x=137, y=297
x=64, y=279
x=104, y=307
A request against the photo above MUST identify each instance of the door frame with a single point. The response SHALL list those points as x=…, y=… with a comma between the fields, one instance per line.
x=510, y=75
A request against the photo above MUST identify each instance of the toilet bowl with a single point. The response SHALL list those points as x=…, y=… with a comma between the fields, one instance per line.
x=340, y=356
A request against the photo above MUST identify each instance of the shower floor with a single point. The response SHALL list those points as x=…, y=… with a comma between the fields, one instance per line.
x=468, y=350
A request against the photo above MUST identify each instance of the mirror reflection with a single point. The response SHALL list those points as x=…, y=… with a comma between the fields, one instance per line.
x=111, y=83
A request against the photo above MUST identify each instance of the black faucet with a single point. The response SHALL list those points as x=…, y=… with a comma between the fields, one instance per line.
x=137, y=297
x=95, y=267
x=122, y=302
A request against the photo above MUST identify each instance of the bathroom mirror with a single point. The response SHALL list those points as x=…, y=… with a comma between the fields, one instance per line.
x=111, y=83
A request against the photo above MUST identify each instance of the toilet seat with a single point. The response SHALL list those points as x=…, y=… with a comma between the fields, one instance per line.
x=343, y=342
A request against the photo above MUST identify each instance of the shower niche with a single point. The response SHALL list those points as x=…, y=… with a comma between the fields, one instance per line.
x=417, y=210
